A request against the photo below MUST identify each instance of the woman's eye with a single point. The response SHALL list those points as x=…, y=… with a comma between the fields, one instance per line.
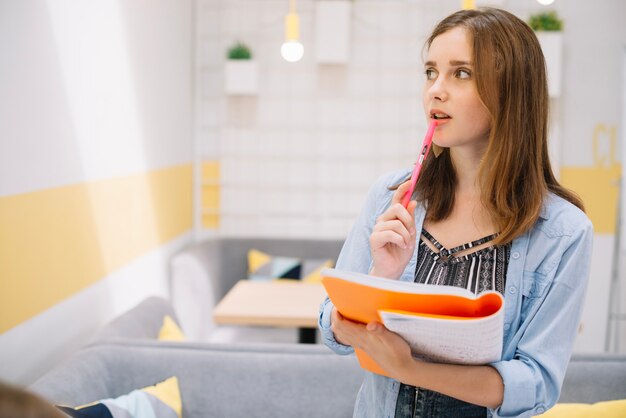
x=463, y=74
x=430, y=74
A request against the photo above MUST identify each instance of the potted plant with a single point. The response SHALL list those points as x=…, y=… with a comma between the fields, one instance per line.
x=239, y=51
x=548, y=27
x=546, y=21
x=241, y=70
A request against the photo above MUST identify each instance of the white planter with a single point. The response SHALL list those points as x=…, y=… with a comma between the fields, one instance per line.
x=332, y=31
x=241, y=77
x=552, y=46
x=490, y=3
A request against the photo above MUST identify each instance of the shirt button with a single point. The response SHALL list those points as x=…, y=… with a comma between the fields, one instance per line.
x=540, y=410
x=515, y=255
x=512, y=290
x=507, y=326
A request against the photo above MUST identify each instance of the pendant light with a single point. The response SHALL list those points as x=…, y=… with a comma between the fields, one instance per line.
x=292, y=50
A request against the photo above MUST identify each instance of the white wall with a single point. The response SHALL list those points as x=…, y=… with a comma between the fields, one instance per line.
x=297, y=158
x=595, y=38
x=91, y=90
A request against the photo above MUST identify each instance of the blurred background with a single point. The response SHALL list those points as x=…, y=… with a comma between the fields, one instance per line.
x=130, y=129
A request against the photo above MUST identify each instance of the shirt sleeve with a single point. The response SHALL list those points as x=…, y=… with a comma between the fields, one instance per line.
x=533, y=378
x=355, y=255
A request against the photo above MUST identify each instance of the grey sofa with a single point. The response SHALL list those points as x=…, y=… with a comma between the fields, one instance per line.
x=272, y=380
x=142, y=322
x=253, y=380
x=202, y=273
x=225, y=259
x=216, y=380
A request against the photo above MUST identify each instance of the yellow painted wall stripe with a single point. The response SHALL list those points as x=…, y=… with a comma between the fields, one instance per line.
x=210, y=194
x=210, y=171
x=58, y=241
x=599, y=188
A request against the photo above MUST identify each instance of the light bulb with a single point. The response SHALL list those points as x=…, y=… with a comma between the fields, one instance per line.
x=292, y=51
x=545, y=2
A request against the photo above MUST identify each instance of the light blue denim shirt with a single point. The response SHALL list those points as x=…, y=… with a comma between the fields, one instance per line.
x=544, y=294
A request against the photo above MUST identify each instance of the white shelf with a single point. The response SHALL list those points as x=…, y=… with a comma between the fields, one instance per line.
x=241, y=78
x=552, y=47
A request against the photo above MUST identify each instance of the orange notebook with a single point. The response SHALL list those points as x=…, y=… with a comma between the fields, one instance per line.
x=440, y=323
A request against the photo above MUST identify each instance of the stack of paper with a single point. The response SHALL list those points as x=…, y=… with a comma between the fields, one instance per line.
x=441, y=323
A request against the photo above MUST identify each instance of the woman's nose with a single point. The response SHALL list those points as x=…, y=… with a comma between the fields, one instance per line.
x=438, y=90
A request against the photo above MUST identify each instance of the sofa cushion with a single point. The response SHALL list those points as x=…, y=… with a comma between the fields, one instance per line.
x=592, y=378
x=170, y=331
x=160, y=400
x=225, y=258
x=141, y=322
x=263, y=266
x=312, y=268
x=608, y=409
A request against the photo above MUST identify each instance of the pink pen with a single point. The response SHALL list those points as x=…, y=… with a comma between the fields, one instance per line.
x=428, y=140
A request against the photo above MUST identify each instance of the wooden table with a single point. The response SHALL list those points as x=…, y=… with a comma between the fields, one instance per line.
x=279, y=303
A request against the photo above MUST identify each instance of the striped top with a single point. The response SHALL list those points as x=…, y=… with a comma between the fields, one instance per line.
x=477, y=271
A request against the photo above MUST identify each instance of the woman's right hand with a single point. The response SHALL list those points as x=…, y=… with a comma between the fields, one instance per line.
x=336, y=324
x=393, y=239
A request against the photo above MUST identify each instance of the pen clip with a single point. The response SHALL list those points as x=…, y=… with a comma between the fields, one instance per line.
x=428, y=139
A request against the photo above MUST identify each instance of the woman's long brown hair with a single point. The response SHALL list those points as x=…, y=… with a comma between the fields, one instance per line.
x=515, y=174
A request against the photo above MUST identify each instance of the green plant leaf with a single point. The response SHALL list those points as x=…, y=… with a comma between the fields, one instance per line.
x=239, y=51
x=546, y=21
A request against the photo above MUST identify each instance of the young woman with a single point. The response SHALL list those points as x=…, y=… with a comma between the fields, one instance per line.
x=488, y=214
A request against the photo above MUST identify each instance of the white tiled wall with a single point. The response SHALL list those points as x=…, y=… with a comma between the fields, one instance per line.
x=298, y=158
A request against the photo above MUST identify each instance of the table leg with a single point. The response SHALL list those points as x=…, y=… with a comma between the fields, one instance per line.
x=307, y=335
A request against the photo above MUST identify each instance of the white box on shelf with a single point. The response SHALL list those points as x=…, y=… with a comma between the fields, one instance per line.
x=490, y=3
x=552, y=47
x=241, y=77
x=332, y=31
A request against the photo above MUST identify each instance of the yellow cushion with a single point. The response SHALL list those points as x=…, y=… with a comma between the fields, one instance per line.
x=607, y=409
x=257, y=259
x=315, y=276
x=264, y=267
x=170, y=331
x=168, y=392
x=160, y=400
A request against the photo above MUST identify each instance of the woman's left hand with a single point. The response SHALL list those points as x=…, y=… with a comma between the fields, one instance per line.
x=386, y=348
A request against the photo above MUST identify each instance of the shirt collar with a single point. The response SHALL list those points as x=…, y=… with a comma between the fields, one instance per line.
x=545, y=211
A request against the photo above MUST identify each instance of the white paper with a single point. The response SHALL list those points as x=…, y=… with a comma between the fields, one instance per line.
x=396, y=285
x=460, y=341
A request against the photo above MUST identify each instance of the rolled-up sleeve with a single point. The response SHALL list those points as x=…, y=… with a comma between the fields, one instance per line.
x=355, y=255
x=327, y=333
x=533, y=377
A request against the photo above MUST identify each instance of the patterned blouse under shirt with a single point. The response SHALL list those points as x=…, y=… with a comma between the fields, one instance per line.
x=477, y=271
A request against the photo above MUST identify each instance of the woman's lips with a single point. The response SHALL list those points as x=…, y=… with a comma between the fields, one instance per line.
x=441, y=122
x=439, y=115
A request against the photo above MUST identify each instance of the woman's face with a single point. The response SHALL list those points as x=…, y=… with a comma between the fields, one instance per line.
x=450, y=93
